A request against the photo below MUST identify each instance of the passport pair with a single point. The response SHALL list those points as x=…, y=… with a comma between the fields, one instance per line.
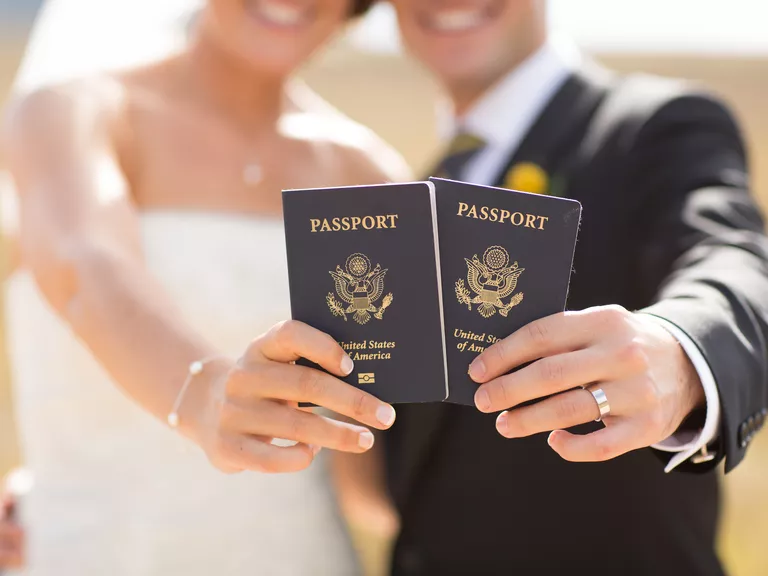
x=414, y=280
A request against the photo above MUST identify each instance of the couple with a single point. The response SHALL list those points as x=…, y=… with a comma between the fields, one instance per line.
x=151, y=218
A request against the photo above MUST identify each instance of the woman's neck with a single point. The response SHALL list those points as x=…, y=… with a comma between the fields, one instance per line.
x=246, y=96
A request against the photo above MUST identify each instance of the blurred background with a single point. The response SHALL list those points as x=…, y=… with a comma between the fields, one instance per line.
x=365, y=74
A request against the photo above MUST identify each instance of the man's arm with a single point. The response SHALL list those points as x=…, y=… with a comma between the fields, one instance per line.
x=701, y=256
x=706, y=249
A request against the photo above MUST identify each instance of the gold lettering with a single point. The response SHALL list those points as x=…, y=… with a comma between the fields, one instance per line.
x=501, y=216
x=346, y=223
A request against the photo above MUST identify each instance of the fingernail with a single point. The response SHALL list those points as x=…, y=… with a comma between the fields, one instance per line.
x=385, y=414
x=502, y=424
x=347, y=365
x=483, y=400
x=477, y=369
x=365, y=440
x=549, y=438
x=315, y=449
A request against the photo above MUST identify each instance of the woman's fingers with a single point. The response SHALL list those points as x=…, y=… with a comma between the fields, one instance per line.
x=275, y=420
x=250, y=453
x=290, y=340
x=302, y=384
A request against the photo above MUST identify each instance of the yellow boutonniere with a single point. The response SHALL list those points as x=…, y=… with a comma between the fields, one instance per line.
x=527, y=177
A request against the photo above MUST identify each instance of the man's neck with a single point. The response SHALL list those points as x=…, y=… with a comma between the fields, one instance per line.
x=251, y=98
x=466, y=92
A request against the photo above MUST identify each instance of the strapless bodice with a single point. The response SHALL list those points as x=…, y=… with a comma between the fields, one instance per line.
x=119, y=493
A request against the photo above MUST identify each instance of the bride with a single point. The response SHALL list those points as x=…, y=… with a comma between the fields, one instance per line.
x=152, y=253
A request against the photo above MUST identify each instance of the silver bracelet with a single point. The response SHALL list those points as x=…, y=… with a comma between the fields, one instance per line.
x=195, y=368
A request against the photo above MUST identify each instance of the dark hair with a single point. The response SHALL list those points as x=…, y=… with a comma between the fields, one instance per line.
x=360, y=7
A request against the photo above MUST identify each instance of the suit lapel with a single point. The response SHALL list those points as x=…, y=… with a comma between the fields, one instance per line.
x=556, y=135
x=548, y=146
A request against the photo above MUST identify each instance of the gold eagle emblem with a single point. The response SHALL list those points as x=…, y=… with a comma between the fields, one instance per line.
x=359, y=287
x=491, y=280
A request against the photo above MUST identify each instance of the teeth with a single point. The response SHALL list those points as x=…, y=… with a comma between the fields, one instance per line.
x=278, y=13
x=457, y=20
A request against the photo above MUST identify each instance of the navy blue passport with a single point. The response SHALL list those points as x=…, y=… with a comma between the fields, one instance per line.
x=363, y=267
x=506, y=259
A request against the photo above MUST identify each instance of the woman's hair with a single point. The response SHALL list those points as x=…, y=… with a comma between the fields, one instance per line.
x=360, y=7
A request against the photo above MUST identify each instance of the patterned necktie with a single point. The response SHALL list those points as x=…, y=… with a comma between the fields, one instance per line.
x=462, y=149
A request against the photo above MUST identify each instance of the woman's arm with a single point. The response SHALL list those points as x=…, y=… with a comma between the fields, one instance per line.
x=11, y=537
x=80, y=239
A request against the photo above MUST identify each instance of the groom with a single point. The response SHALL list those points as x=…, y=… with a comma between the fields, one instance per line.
x=671, y=284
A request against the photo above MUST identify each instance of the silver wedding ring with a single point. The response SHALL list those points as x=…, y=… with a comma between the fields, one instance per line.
x=602, y=402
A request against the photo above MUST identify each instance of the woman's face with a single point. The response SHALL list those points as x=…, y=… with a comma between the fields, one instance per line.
x=275, y=36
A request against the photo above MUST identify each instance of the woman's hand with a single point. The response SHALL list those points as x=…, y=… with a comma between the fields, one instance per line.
x=11, y=537
x=256, y=400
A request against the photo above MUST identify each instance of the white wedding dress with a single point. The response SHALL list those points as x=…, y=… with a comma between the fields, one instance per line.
x=116, y=492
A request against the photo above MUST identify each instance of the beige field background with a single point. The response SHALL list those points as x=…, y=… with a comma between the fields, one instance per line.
x=396, y=99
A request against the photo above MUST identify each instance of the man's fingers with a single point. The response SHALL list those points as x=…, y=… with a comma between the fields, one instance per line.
x=549, y=376
x=555, y=334
x=567, y=409
x=302, y=384
x=277, y=420
x=620, y=437
x=291, y=340
x=250, y=453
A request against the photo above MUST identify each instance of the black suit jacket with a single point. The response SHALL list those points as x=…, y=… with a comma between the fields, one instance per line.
x=668, y=227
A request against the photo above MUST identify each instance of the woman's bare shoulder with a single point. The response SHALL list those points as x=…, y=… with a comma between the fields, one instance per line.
x=364, y=156
x=64, y=114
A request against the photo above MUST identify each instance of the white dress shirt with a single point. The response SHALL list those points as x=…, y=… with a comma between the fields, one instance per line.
x=502, y=118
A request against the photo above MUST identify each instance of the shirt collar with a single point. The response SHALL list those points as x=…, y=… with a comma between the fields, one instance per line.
x=505, y=112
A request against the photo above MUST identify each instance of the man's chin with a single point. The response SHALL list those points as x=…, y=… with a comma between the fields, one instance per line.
x=458, y=74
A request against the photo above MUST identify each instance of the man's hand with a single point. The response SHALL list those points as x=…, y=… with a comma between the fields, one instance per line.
x=648, y=379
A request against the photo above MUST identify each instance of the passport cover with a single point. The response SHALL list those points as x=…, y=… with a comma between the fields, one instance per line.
x=506, y=260
x=362, y=267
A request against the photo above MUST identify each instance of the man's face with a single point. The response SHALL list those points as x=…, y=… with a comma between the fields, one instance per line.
x=470, y=41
